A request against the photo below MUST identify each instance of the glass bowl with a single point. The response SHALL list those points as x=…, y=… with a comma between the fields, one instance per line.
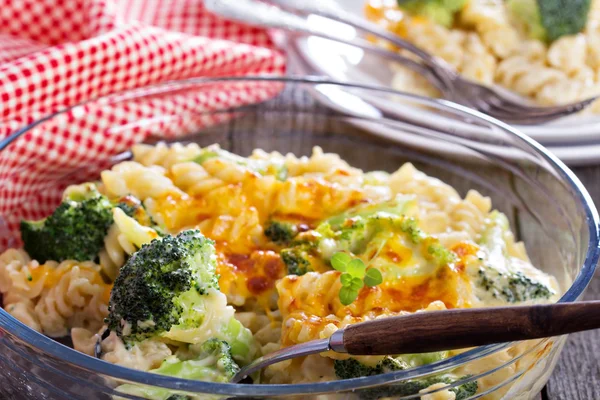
x=548, y=207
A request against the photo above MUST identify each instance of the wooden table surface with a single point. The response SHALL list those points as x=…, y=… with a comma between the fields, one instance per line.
x=577, y=374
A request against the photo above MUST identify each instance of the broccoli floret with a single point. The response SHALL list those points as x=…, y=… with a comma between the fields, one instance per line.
x=159, y=286
x=221, y=350
x=297, y=258
x=351, y=236
x=441, y=12
x=214, y=363
x=281, y=232
x=358, y=235
x=499, y=275
x=135, y=209
x=352, y=368
x=74, y=231
x=464, y=391
x=129, y=208
x=363, y=231
x=563, y=17
x=438, y=253
x=352, y=230
x=263, y=167
x=548, y=20
x=169, y=289
x=512, y=286
x=400, y=205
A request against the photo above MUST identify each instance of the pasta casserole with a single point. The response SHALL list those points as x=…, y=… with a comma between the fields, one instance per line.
x=192, y=262
x=516, y=44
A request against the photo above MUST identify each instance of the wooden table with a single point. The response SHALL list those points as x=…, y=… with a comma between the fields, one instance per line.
x=577, y=374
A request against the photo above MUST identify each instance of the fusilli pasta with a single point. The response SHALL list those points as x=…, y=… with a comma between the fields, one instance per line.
x=123, y=239
x=53, y=297
x=487, y=44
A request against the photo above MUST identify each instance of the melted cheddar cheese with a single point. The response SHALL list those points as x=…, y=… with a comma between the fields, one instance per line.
x=49, y=275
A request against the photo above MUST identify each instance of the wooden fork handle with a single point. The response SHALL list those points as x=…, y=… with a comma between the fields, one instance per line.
x=424, y=332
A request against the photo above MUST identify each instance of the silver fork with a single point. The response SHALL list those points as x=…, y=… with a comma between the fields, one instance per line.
x=281, y=14
x=424, y=332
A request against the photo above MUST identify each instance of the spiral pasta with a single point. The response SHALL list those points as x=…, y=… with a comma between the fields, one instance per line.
x=144, y=356
x=489, y=46
x=53, y=297
x=130, y=177
x=123, y=239
x=24, y=311
x=164, y=155
x=16, y=276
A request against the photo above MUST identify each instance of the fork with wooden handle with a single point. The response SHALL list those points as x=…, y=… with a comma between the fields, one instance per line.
x=424, y=332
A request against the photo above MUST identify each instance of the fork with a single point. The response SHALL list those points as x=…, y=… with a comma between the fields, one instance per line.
x=282, y=14
x=425, y=332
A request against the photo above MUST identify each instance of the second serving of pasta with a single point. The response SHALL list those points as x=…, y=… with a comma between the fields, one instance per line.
x=486, y=42
x=192, y=262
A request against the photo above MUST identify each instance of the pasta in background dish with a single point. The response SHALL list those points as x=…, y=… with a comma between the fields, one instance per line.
x=487, y=44
x=176, y=219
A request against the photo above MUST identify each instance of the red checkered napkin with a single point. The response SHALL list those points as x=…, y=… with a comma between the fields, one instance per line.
x=58, y=53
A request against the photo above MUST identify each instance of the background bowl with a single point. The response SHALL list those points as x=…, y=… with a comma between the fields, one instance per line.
x=546, y=204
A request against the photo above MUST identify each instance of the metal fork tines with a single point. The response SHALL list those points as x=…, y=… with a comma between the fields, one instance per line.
x=290, y=15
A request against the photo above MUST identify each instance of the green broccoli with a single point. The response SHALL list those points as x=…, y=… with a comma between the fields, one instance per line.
x=169, y=289
x=498, y=274
x=135, y=209
x=263, y=167
x=214, y=363
x=368, y=235
x=297, y=258
x=352, y=368
x=281, y=232
x=512, y=286
x=75, y=230
x=440, y=11
x=440, y=254
x=352, y=230
x=548, y=20
x=158, y=286
x=365, y=230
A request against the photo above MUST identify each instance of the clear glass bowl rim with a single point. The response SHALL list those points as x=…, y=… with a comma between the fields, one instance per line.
x=97, y=366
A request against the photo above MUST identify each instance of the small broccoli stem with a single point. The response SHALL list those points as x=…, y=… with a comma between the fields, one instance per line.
x=280, y=232
x=213, y=363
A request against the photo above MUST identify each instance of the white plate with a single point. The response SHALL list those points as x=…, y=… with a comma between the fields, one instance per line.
x=578, y=155
x=350, y=64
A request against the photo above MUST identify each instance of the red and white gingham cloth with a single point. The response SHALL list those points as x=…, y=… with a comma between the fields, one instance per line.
x=57, y=53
